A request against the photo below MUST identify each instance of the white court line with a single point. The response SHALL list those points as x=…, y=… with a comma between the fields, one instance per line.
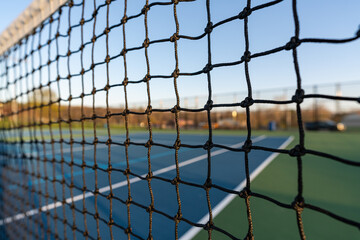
x=79, y=197
x=80, y=148
x=221, y=205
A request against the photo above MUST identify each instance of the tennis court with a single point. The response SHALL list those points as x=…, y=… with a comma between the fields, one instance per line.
x=227, y=171
x=158, y=119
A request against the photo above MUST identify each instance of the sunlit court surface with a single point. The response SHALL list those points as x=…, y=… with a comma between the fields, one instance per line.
x=227, y=171
x=179, y=119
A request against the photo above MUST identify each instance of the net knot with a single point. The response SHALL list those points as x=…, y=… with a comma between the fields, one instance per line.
x=109, y=196
x=174, y=37
x=297, y=151
x=246, y=57
x=86, y=233
x=109, y=169
x=176, y=72
x=175, y=1
x=145, y=9
x=96, y=216
x=178, y=217
x=109, y=141
x=93, y=91
x=146, y=43
x=148, y=144
x=95, y=166
x=245, y=193
x=106, y=30
x=208, y=145
x=96, y=191
x=107, y=59
x=247, y=146
x=125, y=112
x=82, y=71
x=177, y=144
x=123, y=52
x=125, y=81
x=126, y=171
x=71, y=3
x=175, y=181
x=298, y=204
x=107, y=87
x=82, y=21
x=175, y=109
x=124, y=19
x=207, y=68
x=93, y=39
x=128, y=201
x=111, y=222
x=150, y=208
x=146, y=78
x=299, y=96
x=96, y=140
x=69, y=31
x=127, y=141
x=209, y=105
x=247, y=102
x=148, y=110
x=244, y=13
x=293, y=43
x=128, y=230
x=95, y=12
x=207, y=184
x=208, y=226
x=209, y=28
x=108, y=2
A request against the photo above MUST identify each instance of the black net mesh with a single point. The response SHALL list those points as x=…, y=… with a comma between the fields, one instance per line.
x=45, y=118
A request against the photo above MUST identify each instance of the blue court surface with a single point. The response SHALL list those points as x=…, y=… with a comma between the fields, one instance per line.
x=227, y=170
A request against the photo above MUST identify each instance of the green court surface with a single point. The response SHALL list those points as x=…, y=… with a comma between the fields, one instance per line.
x=328, y=184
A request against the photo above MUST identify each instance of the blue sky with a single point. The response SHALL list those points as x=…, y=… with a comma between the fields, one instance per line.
x=268, y=28
x=10, y=10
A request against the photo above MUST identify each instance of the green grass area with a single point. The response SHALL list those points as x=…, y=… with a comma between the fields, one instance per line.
x=328, y=184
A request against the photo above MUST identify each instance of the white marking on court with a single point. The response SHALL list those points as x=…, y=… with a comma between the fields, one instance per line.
x=221, y=205
x=118, y=185
x=99, y=146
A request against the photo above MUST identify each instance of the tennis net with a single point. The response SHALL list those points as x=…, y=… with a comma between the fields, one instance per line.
x=60, y=80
